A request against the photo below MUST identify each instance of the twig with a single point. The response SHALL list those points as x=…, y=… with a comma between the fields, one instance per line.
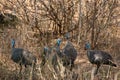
x=116, y=75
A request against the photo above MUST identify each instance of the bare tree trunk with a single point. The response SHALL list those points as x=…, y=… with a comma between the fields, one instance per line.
x=93, y=25
x=80, y=18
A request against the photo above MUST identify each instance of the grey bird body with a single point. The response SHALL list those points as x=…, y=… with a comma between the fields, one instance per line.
x=23, y=57
x=99, y=57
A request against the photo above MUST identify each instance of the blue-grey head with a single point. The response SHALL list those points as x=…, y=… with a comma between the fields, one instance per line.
x=58, y=42
x=67, y=35
x=45, y=49
x=87, y=46
x=13, y=43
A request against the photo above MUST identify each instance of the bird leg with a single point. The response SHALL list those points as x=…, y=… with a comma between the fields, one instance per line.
x=43, y=62
x=20, y=68
x=71, y=65
x=25, y=66
x=20, y=72
x=96, y=70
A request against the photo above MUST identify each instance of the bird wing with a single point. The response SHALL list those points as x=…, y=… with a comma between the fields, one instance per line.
x=28, y=57
x=70, y=51
x=106, y=55
x=94, y=56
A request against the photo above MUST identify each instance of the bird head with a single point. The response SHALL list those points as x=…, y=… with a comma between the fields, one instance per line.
x=58, y=42
x=13, y=43
x=67, y=35
x=87, y=46
x=45, y=49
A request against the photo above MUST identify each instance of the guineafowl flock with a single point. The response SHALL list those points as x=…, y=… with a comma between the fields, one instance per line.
x=67, y=55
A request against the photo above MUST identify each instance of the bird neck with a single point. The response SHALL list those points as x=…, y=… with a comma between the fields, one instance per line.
x=57, y=48
x=13, y=46
x=88, y=53
x=59, y=53
x=13, y=49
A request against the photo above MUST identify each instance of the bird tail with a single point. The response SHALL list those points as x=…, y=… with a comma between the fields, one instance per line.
x=112, y=64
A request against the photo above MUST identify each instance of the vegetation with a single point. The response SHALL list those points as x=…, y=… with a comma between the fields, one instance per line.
x=38, y=23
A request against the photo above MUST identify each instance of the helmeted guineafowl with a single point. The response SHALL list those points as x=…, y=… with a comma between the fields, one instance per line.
x=68, y=54
x=22, y=57
x=45, y=54
x=98, y=57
